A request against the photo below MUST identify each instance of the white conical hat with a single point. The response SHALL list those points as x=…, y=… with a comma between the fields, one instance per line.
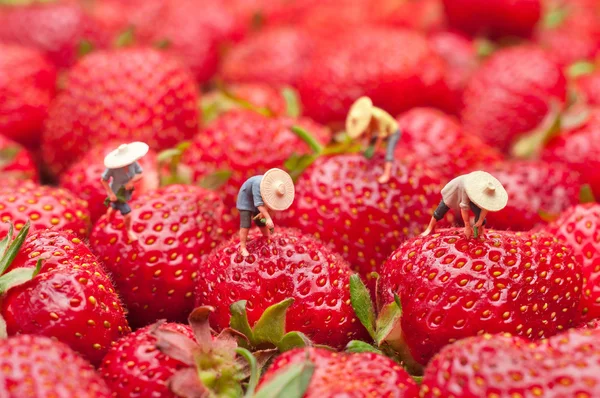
x=359, y=117
x=277, y=189
x=485, y=191
x=125, y=155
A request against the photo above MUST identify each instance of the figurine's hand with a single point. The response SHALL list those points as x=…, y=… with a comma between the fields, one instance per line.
x=468, y=231
x=270, y=224
x=129, y=186
x=112, y=197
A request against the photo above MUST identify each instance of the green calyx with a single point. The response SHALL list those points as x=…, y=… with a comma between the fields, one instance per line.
x=126, y=38
x=269, y=331
x=580, y=68
x=289, y=383
x=8, y=251
x=530, y=144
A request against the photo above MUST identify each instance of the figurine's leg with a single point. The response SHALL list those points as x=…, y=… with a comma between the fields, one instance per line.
x=438, y=214
x=126, y=212
x=389, y=157
x=245, y=223
x=110, y=212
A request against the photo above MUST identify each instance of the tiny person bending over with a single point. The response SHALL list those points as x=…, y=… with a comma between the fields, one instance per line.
x=478, y=191
x=376, y=125
x=123, y=171
x=273, y=191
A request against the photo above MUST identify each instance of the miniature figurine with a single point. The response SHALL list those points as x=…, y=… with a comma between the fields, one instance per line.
x=124, y=170
x=272, y=191
x=478, y=191
x=377, y=125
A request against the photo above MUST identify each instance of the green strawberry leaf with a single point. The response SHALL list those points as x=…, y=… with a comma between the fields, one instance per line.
x=586, y=195
x=291, y=383
x=293, y=340
x=162, y=44
x=16, y=277
x=554, y=18
x=126, y=38
x=362, y=304
x=215, y=180
x=242, y=103
x=581, y=68
x=254, y=373
x=484, y=48
x=8, y=154
x=386, y=321
x=296, y=164
x=7, y=239
x=239, y=319
x=357, y=346
x=531, y=143
x=369, y=152
x=547, y=217
x=417, y=379
x=308, y=138
x=84, y=48
x=270, y=328
x=13, y=249
x=292, y=102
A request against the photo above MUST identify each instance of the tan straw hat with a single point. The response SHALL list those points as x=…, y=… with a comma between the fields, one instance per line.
x=277, y=189
x=485, y=191
x=125, y=155
x=359, y=117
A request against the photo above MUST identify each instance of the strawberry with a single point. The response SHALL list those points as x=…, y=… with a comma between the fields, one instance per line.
x=82, y=177
x=128, y=94
x=224, y=145
x=588, y=87
x=286, y=266
x=512, y=94
x=15, y=161
x=440, y=141
x=339, y=201
x=536, y=189
x=566, y=365
x=574, y=148
x=68, y=296
x=274, y=56
x=401, y=71
x=451, y=288
x=495, y=18
x=341, y=374
x=27, y=84
x=579, y=227
x=156, y=274
x=45, y=206
x=36, y=366
x=134, y=366
x=56, y=28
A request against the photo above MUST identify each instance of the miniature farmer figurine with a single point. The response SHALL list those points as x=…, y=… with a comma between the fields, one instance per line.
x=272, y=191
x=478, y=191
x=377, y=125
x=123, y=171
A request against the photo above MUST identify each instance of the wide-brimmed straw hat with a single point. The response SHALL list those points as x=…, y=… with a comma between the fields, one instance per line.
x=359, y=117
x=485, y=191
x=277, y=189
x=125, y=155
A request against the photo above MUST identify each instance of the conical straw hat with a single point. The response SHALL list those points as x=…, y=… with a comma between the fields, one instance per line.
x=485, y=191
x=277, y=189
x=125, y=155
x=359, y=117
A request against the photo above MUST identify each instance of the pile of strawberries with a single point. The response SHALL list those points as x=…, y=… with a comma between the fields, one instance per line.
x=345, y=299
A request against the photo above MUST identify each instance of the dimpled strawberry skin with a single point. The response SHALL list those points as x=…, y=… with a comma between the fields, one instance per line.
x=579, y=227
x=36, y=366
x=452, y=288
x=287, y=265
x=566, y=365
x=16, y=162
x=127, y=94
x=352, y=375
x=135, y=367
x=176, y=226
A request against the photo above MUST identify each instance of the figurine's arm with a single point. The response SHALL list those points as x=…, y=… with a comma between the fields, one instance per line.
x=109, y=192
x=465, y=216
x=378, y=142
x=265, y=213
x=482, y=216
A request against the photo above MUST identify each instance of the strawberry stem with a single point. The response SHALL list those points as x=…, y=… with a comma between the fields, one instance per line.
x=13, y=247
x=292, y=102
x=254, y=375
x=308, y=138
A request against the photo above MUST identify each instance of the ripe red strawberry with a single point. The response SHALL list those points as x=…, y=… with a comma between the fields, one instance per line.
x=55, y=28
x=155, y=275
x=495, y=18
x=451, y=288
x=36, y=366
x=289, y=265
x=566, y=365
x=27, y=84
x=511, y=94
x=339, y=201
x=440, y=142
x=536, y=190
x=71, y=299
x=575, y=148
x=134, y=366
x=128, y=94
x=579, y=227
x=273, y=56
x=15, y=161
x=401, y=71
x=45, y=206
x=82, y=177
x=341, y=374
x=225, y=145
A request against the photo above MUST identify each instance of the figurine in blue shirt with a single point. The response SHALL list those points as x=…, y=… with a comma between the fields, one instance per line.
x=272, y=191
x=121, y=173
